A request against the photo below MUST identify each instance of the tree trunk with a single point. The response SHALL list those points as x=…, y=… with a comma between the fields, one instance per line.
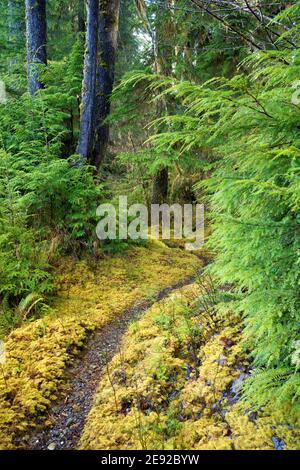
x=81, y=17
x=160, y=186
x=165, y=32
x=87, y=118
x=107, y=46
x=36, y=33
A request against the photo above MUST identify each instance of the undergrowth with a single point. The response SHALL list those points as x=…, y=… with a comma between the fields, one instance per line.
x=176, y=383
x=89, y=294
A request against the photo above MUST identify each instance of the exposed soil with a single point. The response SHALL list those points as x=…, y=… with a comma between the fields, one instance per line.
x=69, y=414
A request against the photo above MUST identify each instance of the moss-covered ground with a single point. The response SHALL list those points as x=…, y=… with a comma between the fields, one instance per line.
x=175, y=384
x=89, y=295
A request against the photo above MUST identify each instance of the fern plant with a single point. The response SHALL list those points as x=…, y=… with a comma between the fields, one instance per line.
x=43, y=195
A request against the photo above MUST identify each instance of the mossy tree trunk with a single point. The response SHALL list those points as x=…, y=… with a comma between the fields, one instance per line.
x=36, y=34
x=99, y=74
x=87, y=117
x=107, y=46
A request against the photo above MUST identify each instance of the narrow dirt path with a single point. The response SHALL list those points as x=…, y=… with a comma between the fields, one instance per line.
x=69, y=414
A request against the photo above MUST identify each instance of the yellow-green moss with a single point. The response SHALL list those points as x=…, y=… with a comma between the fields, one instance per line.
x=36, y=358
x=166, y=388
x=120, y=280
x=88, y=297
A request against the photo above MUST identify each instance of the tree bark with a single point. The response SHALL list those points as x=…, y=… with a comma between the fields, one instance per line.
x=36, y=34
x=87, y=118
x=107, y=46
x=160, y=186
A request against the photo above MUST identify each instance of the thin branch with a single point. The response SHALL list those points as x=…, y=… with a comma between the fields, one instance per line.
x=227, y=25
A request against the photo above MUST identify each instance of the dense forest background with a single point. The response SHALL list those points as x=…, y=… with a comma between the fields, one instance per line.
x=163, y=101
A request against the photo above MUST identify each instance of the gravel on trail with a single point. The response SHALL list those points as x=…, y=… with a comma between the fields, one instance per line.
x=68, y=415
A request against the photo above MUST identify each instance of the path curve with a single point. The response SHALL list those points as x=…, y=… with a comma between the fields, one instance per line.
x=69, y=414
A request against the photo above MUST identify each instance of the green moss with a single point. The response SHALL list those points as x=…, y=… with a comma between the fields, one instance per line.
x=89, y=296
x=168, y=386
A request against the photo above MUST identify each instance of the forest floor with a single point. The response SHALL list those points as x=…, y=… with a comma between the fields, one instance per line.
x=130, y=358
x=70, y=413
x=91, y=294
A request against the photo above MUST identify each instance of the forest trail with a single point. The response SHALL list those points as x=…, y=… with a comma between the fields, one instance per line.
x=186, y=111
x=163, y=343
x=90, y=297
x=69, y=414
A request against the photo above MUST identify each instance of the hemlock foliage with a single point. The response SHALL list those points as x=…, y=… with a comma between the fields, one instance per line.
x=249, y=125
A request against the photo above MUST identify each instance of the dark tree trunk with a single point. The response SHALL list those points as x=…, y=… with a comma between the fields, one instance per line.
x=160, y=186
x=81, y=17
x=36, y=32
x=107, y=46
x=165, y=33
x=87, y=118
